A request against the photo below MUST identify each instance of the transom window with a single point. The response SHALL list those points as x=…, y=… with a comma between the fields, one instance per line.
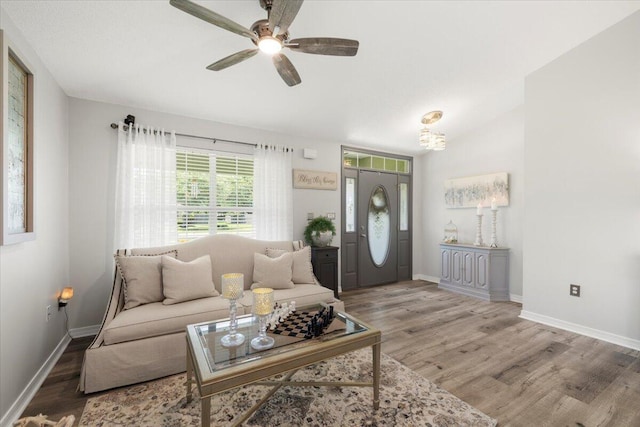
x=357, y=160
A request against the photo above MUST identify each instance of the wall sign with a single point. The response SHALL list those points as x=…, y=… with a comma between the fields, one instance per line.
x=315, y=180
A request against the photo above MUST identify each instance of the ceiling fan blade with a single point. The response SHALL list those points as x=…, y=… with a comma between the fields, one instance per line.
x=286, y=69
x=325, y=46
x=232, y=59
x=282, y=14
x=212, y=18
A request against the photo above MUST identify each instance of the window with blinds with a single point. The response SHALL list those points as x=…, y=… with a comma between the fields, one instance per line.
x=215, y=194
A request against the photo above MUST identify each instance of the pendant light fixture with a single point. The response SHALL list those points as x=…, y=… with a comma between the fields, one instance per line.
x=428, y=139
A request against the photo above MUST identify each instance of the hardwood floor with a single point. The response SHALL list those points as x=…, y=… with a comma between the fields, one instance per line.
x=520, y=372
x=57, y=396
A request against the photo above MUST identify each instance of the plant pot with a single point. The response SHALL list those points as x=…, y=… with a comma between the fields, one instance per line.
x=322, y=238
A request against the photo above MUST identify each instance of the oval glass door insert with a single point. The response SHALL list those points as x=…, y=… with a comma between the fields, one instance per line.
x=379, y=231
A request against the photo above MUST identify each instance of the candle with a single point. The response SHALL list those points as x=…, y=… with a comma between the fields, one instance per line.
x=262, y=301
x=479, y=210
x=232, y=285
x=494, y=204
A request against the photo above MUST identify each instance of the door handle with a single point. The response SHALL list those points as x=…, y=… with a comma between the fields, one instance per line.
x=363, y=235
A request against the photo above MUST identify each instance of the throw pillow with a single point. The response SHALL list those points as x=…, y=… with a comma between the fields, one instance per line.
x=142, y=277
x=302, y=270
x=272, y=273
x=186, y=281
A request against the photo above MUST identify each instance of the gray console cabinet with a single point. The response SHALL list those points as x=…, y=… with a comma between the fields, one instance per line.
x=477, y=271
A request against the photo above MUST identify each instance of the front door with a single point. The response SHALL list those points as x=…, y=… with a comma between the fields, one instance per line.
x=377, y=227
x=376, y=218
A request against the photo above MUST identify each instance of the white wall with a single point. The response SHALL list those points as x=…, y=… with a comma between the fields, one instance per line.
x=582, y=162
x=494, y=147
x=418, y=219
x=33, y=273
x=92, y=177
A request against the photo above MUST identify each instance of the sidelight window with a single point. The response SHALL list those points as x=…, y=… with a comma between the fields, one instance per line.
x=350, y=205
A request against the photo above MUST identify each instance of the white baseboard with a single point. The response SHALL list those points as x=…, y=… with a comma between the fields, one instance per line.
x=426, y=277
x=515, y=298
x=85, y=331
x=18, y=407
x=582, y=330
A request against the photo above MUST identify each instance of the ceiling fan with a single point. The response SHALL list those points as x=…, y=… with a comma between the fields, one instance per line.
x=270, y=36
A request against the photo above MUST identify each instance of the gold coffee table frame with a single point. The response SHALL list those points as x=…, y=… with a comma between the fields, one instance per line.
x=258, y=366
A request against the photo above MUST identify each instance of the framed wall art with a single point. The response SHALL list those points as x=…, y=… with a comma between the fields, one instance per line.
x=470, y=191
x=316, y=180
x=16, y=128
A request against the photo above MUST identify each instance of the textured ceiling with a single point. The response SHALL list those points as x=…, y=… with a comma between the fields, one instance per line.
x=468, y=59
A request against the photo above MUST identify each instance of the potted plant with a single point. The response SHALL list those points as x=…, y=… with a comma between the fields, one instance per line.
x=319, y=231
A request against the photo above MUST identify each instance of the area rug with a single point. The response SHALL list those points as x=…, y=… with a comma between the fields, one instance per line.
x=406, y=399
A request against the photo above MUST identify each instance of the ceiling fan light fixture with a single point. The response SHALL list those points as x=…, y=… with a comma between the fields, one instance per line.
x=270, y=36
x=269, y=45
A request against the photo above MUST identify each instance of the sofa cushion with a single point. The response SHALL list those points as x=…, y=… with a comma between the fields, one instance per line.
x=155, y=319
x=272, y=273
x=142, y=278
x=229, y=253
x=186, y=281
x=301, y=270
x=306, y=294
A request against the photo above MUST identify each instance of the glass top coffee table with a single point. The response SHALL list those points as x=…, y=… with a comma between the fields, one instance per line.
x=217, y=368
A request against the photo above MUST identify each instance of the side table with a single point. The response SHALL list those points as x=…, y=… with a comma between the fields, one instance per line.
x=325, y=266
x=477, y=271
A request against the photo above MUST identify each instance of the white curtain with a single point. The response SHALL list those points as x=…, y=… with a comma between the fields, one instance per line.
x=146, y=213
x=272, y=194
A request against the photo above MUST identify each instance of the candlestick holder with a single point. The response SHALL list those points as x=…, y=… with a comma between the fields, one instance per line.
x=494, y=220
x=262, y=307
x=478, y=241
x=232, y=289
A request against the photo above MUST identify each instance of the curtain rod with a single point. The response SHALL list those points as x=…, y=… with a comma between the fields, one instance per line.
x=214, y=140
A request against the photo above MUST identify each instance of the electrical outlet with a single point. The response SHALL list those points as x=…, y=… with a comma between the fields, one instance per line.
x=309, y=216
x=48, y=313
x=574, y=290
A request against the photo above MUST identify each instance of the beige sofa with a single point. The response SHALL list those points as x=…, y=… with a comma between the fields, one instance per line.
x=148, y=341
